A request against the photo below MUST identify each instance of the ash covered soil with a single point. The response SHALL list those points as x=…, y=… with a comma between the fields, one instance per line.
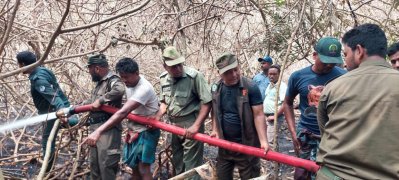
x=26, y=162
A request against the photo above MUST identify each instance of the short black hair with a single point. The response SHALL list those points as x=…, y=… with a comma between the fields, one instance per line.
x=126, y=65
x=276, y=66
x=26, y=58
x=369, y=36
x=393, y=49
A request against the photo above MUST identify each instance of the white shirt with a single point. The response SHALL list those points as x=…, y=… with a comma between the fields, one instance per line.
x=144, y=94
x=271, y=95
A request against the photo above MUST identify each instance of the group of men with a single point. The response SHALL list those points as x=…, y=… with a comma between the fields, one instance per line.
x=347, y=118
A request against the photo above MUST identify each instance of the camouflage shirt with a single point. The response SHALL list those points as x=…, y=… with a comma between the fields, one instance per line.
x=110, y=90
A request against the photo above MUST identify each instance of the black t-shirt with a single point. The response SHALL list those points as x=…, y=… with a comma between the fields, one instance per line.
x=231, y=123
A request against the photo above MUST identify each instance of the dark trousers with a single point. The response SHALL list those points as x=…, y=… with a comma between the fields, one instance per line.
x=248, y=166
x=104, y=157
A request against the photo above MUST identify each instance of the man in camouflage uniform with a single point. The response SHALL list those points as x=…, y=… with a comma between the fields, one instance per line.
x=47, y=96
x=185, y=98
x=105, y=154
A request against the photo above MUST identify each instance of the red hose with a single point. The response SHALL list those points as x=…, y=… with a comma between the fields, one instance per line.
x=271, y=155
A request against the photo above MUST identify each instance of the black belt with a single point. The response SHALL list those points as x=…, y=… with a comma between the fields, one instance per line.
x=270, y=114
x=98, y=119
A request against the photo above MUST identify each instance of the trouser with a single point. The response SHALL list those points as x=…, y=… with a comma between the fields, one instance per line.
x=309, y=147
x=104, y=157
x=270, y=128
x=186, y=153
x=48, y=126
x=248, y=166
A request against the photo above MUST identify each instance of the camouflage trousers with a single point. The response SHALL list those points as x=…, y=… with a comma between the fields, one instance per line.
x=309, y=146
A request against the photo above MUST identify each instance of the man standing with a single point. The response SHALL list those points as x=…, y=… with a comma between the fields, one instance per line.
x=105, y=154
x=393, y=54
x=358, y=112
x=140, y=146
x=47, y=96
x=306, y=136
x=270, y=99
x=185, y=98
x=237, y=114
x=261, y=79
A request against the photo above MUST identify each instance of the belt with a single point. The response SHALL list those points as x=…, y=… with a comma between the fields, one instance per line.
x=272, y=114
x=98, y=119
x=177, y=119
x=329, y=174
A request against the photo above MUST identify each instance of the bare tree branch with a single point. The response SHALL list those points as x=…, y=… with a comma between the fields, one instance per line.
x=105, y=20
x=49, y=46
x=9, y=26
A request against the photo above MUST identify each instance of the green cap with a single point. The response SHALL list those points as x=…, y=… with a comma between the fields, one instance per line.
x=226, y=62
x=97, y=58
x=172, y=57
x=329, y=50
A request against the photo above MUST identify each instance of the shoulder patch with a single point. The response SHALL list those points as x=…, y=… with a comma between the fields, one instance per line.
x=214, y=87
x=42, y=88
x=191, y=72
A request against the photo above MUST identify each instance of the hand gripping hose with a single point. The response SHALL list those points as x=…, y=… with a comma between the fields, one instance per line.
x=244, y=149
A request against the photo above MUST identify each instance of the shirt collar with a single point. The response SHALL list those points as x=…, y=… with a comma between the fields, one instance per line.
x=375, y=62
x=109, y=74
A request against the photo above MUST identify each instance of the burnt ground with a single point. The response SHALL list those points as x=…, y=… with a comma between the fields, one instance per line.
x=27, y=164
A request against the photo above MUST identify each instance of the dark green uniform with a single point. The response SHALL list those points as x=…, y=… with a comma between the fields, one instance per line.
x=184, y=97
x=47, y=97
x=105, y=156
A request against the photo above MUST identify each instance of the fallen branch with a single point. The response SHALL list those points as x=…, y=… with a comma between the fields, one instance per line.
x=48, y=149
x=190, y=172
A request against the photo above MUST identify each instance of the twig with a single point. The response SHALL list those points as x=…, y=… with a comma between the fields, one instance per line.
x=287, y=52
x=268, y=32
x=352, y=13
x=75, y=163
x=105, y=20
x=192, y=24
x=9, y=26
x=48, y=150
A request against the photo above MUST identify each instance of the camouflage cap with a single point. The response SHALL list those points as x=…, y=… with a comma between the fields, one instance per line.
x=97, y=58
x=172, y=57
x=226, y=62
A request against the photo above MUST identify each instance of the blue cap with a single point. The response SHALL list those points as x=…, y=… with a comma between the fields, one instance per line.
x=266, y=59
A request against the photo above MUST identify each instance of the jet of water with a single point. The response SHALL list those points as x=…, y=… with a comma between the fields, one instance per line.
x=28, y=121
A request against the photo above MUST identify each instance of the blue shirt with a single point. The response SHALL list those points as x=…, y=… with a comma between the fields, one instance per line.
x=262, y=81
x=299, y=82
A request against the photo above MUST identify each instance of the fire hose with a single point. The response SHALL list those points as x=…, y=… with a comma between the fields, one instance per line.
x=236, y=147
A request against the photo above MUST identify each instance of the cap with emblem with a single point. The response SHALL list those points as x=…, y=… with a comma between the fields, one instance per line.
x=172, y=57
x=97, y=58
x=226, y=62
x=329, y=50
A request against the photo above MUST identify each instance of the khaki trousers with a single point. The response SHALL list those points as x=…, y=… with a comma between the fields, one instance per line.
x=186, y=153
